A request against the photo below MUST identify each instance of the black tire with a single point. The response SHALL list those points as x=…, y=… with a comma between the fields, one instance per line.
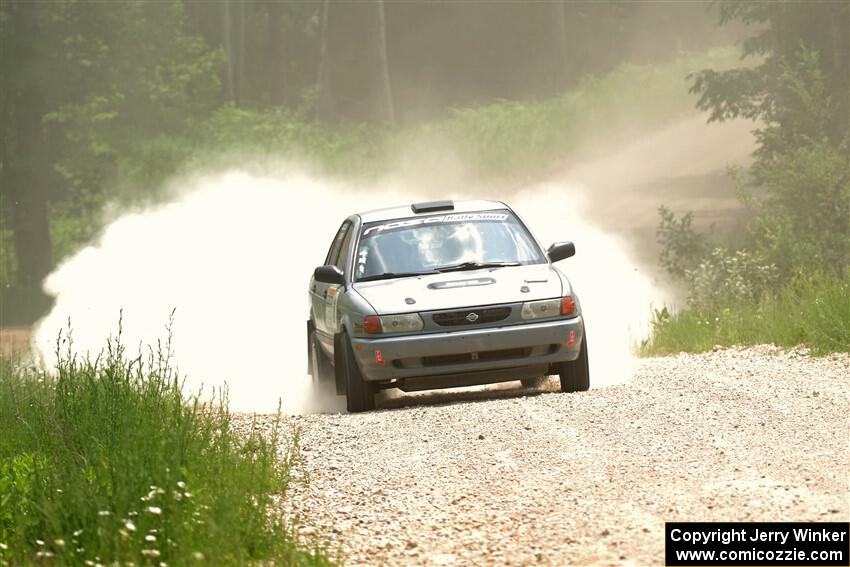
x=575, y=375
x=533, y=382
x=320, y=367
x=359, y=394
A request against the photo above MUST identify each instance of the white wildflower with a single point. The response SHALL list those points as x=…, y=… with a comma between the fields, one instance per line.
x=104, y=513
x=78, y=533
x=150, y=537
x=150, y=552
x=59, y=542
x=154, y=509
x=130, y=526
x=39, y=542
x=3, y=546
x=181, y=485
x=198, y=556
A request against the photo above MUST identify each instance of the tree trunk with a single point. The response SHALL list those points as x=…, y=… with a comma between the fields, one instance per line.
x=23, y=182
x=325, y=104
x=227, y=25
x=839, y=32
x=239, y=89
x=277, y=50
x=562, y=62
x=384, y=98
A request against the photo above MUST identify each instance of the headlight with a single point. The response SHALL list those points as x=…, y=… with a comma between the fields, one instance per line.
x=540, y=309
x=407, y=323
x=548, y=308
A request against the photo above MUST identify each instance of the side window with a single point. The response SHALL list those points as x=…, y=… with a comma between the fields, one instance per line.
x=336, y=244
x=342, y=259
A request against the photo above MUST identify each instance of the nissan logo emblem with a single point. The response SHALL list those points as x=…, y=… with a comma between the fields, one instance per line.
x=472, y=317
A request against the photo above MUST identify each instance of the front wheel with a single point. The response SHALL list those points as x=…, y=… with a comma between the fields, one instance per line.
x=575, y=375
x=359, y=394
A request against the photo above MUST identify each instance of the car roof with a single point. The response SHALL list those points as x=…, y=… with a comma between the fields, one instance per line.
x=405, y=211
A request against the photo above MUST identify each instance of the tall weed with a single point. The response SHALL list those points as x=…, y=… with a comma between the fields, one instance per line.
x=105, y=461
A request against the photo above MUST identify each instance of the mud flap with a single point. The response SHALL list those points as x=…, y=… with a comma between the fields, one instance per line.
x=309, y=354
x=339, y=364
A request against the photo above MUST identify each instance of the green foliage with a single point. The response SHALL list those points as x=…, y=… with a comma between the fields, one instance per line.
x=803, y=221
x=107, y=462
x=681, y=246
x=126, y=75
x=790, y=283
x=811, y=310
x=725, y=277
x=782, y=31
x=800, y=94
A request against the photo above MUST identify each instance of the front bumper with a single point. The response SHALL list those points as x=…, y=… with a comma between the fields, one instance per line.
x=436, y=354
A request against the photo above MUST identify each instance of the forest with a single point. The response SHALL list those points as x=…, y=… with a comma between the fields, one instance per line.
x=102, y=102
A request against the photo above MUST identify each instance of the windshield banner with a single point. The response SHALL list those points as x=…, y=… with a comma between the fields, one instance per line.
x=460, y=217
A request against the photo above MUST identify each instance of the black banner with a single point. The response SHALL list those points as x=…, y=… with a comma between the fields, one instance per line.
x=763, y=544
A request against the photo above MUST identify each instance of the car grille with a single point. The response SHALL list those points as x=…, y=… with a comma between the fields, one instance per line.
x=484, y=356
x=486, y=315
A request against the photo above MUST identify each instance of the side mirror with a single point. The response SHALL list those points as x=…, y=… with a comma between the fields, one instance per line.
x=329, y=274
x=561, y=250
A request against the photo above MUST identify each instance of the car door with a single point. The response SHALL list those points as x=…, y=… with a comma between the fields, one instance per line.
x=323, y=295
x=335, y=291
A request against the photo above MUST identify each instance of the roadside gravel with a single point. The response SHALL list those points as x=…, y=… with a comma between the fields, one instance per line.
x=513, y=476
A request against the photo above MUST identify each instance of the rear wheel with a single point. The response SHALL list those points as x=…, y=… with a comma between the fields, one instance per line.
x=575, y=375
x=359, y=394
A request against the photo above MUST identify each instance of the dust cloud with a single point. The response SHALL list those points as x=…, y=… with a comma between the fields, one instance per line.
x=233, y=253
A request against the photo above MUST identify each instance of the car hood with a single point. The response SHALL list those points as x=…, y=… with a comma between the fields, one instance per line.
x=462, y=289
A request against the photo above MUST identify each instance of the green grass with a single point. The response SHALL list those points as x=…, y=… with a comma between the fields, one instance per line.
x=813, y=311
x=107, y=462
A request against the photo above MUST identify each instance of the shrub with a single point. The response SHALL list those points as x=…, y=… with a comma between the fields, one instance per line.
x=725, y=278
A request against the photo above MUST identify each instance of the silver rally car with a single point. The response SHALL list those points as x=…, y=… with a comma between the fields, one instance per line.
x=442, y=294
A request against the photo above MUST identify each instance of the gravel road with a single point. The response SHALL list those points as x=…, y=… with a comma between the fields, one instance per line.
x=522, y=477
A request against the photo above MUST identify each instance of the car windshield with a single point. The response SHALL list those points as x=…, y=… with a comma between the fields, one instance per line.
x=457, y=241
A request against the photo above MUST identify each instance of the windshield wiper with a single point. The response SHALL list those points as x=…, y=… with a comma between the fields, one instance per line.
x=391, y=275
x=475, y=266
